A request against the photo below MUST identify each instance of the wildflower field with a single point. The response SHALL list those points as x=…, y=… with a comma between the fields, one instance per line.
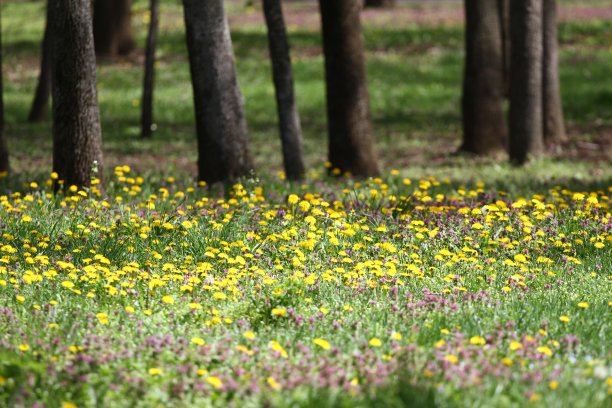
x=386, y=292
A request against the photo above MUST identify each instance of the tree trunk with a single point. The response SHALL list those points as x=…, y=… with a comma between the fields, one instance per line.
x=289, y=120
x=484, y=129
x=146, y=118
x=4, y=156
x=554, y=128
x=40, y=104
x=223, y=153
x=504, y=18
x=112, y=27
x=379, y=3
x=76, y=118
x=351, y=140
x=525, y=118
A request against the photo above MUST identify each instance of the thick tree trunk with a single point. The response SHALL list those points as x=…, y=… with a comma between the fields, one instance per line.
x=351, y=140
x=223, y=153
x=4, y=156
x=554, y=128
x=379, y=3
x=112, y=27
x=484, y=129
x=525, y=118
x=76, y=118
x=40, y=104
x=289, y=119
x=146, y=118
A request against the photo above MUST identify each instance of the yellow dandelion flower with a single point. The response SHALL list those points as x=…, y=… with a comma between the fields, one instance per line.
x=324, y=344
x=396, y=336
x=564, y=319
x=583, y=305
x=198, y=340
x=168, y=299
x=544, y=350
x=279, y=311
x=451, y=359
x=293, y=199
x=273, y=384
x=507, y=361
x=249, y=335
x=553, y=385
x=374, y=342
x=515, y=345
x=214, y=381
x=478, y=341
x=67, y=404
x=23, y=347
x=102, y=318
x=155, y=371
x=219, y=295
x=68, y=284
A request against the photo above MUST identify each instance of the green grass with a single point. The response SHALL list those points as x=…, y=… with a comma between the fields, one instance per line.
x=142, y=296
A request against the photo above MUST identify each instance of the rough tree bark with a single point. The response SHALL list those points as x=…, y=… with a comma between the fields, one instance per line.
x=552, y=111
x=40, y=104
x=146, y=117
x=76, y=118
x=351, y=139
x=289, y=119
x=112, y=27
x=484, y=129
x=4, y=155
x=525, y=117
x=223, y=152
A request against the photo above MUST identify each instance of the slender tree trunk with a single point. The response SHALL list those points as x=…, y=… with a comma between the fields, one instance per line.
x=351, y=139
x=289, y=119
x=4, y=156
x=554, y=128
x=484, y=129
x=525, y=118
x=223, y=153
x=40, y=104
x=146, y=118
x=76, y=118
x=112, y=27
x=379, y=3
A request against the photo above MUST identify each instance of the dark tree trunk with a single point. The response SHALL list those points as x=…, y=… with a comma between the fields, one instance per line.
x=112, y=27
x=525, y=118
x=40, y=104
x=554, y=128
x=4, y=156
x=504, y=18
x=379, y=3
x=146, y=118
x=223, y=153
x=289, y=120
x=351, y=140
x=76, y=118
x=484, y=129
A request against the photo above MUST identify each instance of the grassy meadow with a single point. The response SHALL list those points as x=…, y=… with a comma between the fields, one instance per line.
x=447, y=282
